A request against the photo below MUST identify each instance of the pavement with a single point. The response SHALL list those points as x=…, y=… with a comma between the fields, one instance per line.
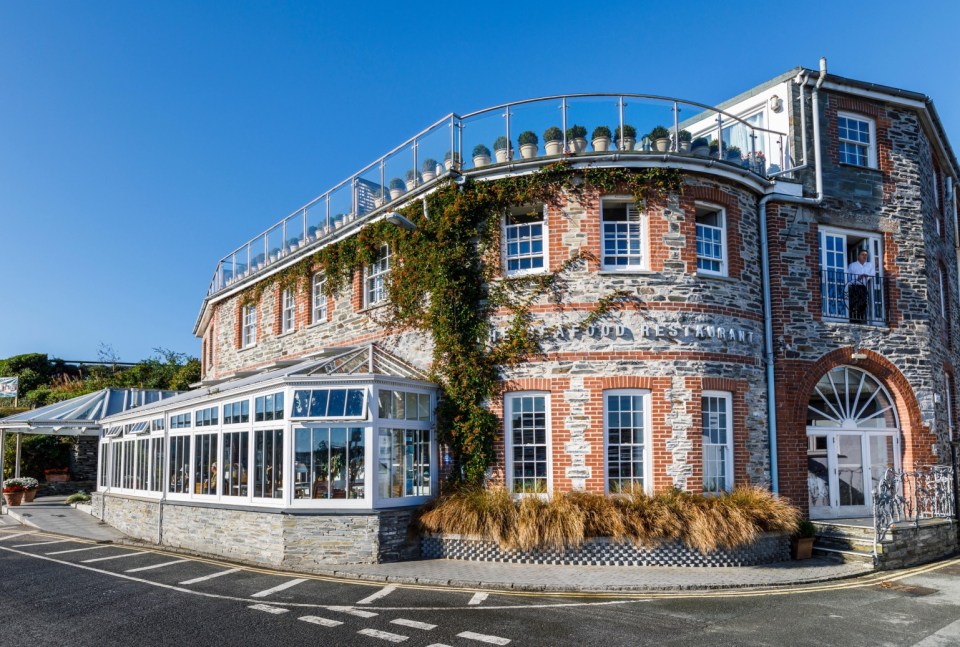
x=53, y=515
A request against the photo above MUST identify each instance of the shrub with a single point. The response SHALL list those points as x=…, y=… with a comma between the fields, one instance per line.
x=601, y=131
x=732, y=151
x=553, y=134
x=452, y=156
x=685, y=135
x=480, y=149
x=78, y=497
x=429, y=165
x=805, y=529
x=501, y=143
x=576, y=132
x=528, y=137
x=628, y=131
x=660, y=132
x=699, y=141
x=397, y=183
x=413, y=175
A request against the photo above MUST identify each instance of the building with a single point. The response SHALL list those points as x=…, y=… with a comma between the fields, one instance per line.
x=697, y=317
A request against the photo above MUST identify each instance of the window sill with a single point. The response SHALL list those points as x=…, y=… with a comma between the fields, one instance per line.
x=246, y=348
x=286, y=334
x=376, y=306
x=638, y=272
x=524, y=273
x=716, y=277
x=860, y=167
x=317, y=324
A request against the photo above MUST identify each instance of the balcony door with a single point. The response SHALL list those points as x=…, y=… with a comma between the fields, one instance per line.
x=838, y=249
x=853, y=437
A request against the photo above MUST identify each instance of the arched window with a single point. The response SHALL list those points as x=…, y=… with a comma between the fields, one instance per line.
x=849, y=398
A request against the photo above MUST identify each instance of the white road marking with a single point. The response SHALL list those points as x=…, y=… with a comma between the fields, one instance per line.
x=268, y=608
x=103, y=559
x=478, y=597
x=279, y=587
x=153, y=566
x=323, y=622
x=79, y=550
x=210, y=577
x=354, y=612
x=483, y=638
x=43, y=543
x=18, y=534
x=438, y=645
x=383, y=635
x=413, y=623
x=385, y=591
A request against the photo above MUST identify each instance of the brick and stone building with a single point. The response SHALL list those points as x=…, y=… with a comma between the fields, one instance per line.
x=755, y=351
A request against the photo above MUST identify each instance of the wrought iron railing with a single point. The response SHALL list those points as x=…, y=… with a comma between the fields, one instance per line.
x=857, y=298
x=501, y=134
x=909, y=497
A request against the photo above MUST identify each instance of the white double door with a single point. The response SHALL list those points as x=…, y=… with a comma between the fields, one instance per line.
x=844, y=467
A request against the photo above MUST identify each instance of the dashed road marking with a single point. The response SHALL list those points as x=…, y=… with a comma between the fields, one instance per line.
x=43, y=543
x=426, y=626
x=354, y=612
x=79, y=550
x=211, y=576
x=478, y=597
x=383, y=635
x=103, y=559
x=18, y=534
x=268, y=608
x=153, y=566
x=483, y=638
x=323, y=622
x=280, y=587
x=385, y=591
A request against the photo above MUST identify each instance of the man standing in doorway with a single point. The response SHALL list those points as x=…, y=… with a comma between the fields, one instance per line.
x=859, y=278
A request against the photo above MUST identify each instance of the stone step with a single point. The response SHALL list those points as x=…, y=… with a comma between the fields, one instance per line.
x=829, y=528
x=846, y=556
x=845, y=542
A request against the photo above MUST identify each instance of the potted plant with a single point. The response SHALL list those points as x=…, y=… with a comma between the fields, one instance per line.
x=528, y=144
x=61, y=474
x=13, y=491
x=801, y=545
x=577, y=138
x=629, y=138
x=714, y=148
x=553, y=140
x=312, y=232
x=481, y=155
x=660, y=136
x=397, y=188
x=601, y=139
x=413, y=179
x=429, y=168
x=31, y=487
x=502, y=149
x=451, y=161
x=733, y=154
x=684, y=137
x=700, y=146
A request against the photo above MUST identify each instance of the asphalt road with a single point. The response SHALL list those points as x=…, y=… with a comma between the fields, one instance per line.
x=70, y=592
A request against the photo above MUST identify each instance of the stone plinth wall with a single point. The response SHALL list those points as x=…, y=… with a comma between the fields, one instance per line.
x=600, y=551
x=67, y=488
x=909, y=546
x=300, y=541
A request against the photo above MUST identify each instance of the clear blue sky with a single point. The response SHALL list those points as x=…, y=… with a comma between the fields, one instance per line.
x=141, y=141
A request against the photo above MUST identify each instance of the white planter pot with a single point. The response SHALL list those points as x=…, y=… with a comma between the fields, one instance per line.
x=601, y=144
x=396, y=193
x=553, y=147
x=428, y=175
x=578, y=145
x=702, y=151
x=501, y=155
x=684, y=147
x=480, y=160
x=661, y=145
x=528, y=151
x=627, y=143
x=411, y=184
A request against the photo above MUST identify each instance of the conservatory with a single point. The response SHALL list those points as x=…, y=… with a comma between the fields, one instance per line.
x=346, y=429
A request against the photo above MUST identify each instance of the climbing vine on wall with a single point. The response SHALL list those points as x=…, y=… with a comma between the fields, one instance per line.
x=446, y=281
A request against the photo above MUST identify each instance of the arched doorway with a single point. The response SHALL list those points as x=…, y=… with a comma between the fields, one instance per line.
x=853, y=436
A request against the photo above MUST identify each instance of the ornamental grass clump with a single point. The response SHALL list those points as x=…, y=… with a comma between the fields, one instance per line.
x=565, y=520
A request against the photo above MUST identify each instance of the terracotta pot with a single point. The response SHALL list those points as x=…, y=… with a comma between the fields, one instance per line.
x=30, y=495
x=57, y=478
x=13, y=498
x=801, y=547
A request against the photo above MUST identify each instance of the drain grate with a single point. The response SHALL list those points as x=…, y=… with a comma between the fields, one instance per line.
x=915, y=591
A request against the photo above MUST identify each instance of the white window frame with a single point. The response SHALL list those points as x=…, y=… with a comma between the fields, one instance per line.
x=508, y=405
x=249, y=326
x=727, y=398
x=647, y=437
x=948, y=394
x=723, y=239
x=318, y=299
x=871, y=146
x=288, y=313
x=375, y=279
x=943, y=292
x=641, y=221
x=506, y=228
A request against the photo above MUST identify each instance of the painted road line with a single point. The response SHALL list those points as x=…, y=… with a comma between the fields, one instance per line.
x=438, y=645
x=43, y=543
x=278, y=588
x=385, y=591
x=103, y=559
x=160, y=565
x=483, y=638
x=323, y=622
x=414, y=624
x=268, y=608
x=79, y=550
x=383, y=635
x=18, y=534
x=210, y=577
x=477, y=598
x=354, y=612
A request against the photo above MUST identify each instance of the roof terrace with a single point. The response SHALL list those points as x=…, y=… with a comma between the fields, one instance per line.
x=548, y=129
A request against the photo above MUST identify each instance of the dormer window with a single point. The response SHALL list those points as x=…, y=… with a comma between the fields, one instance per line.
x=857, y=140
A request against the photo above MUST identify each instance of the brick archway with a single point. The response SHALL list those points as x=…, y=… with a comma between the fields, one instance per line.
x=795, y=383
